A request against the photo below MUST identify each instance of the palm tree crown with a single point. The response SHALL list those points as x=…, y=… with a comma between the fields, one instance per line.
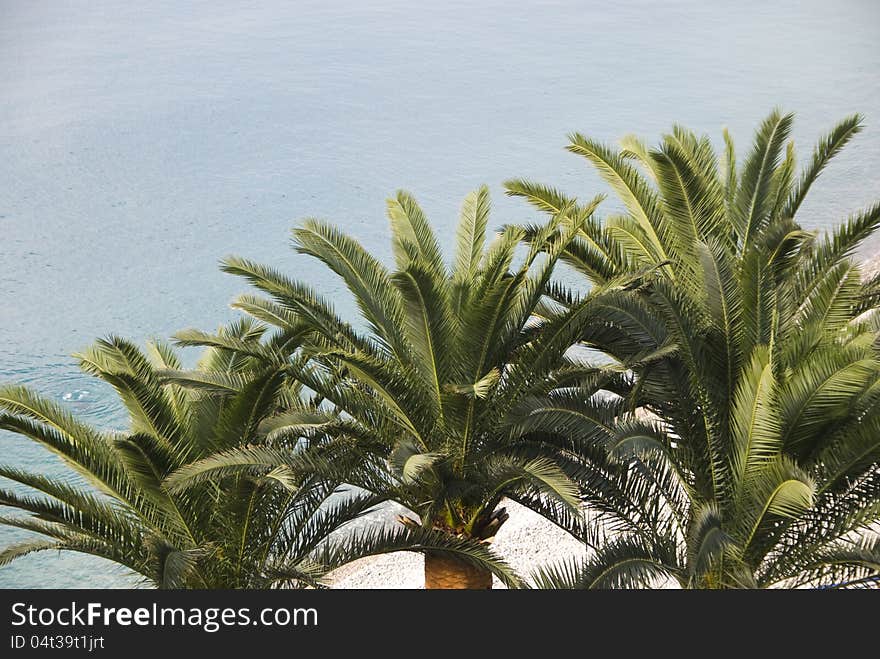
x=246, y=531
x=760, y=466
x=459, y=394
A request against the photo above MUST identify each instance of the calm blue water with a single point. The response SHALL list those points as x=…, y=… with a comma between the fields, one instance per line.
x=138, y=145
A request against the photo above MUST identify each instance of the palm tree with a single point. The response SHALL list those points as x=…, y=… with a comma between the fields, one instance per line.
x=457, y=395
x=249, y=531
x=759, y=461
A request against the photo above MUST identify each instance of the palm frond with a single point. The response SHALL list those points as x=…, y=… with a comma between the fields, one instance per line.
x=828, y=147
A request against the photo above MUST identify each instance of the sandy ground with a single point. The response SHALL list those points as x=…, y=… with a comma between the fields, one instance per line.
x=526, y=541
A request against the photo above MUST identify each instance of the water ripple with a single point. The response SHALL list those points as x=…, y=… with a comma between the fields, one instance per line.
x=82, y=394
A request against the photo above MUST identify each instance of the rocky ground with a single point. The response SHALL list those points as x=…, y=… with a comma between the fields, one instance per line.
x=526, y=541
x=872, y=266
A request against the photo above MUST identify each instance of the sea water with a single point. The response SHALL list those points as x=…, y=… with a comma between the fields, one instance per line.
x=141, y=142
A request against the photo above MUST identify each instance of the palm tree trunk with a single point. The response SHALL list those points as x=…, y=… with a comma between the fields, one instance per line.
x=445, y=572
